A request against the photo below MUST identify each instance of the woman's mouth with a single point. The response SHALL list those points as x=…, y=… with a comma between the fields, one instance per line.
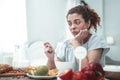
x=74, y=33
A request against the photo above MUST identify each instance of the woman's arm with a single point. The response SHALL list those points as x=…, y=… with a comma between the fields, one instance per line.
x=92, y=56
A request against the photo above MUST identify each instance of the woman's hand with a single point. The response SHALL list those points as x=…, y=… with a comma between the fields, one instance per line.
x=49, y=51
x=82, y=36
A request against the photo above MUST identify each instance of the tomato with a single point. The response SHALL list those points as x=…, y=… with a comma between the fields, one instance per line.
x=67, y=75
x=83, y=76
x=76, y=76
x=79, y=76
x=93, y=71
x=90, y=75
x=97, y=67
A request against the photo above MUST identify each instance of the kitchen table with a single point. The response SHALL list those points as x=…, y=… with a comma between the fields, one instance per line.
x=25, y=78
x=112, y=72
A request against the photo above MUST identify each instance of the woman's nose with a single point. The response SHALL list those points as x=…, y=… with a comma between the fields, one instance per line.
x=72, y=27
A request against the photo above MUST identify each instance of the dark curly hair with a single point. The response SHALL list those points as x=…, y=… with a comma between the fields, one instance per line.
x=87, y=14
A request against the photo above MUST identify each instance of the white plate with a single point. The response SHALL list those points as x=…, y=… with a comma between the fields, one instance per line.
x=112, y=68
x=41, y=77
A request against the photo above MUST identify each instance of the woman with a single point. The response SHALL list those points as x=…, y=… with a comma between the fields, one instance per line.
x=81, y=19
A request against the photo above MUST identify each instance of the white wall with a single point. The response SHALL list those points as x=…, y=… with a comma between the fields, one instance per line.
x=112, y=26
x=45, y=20
x=97, y=5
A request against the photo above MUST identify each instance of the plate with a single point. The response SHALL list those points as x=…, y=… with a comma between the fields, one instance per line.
x=41, y=77
x=113, y=68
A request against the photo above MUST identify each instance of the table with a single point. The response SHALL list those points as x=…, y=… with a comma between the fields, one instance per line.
x=25, y=78
x=112, y=75
x=112, y=72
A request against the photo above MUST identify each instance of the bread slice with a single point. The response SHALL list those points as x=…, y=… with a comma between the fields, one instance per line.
x=5, y=68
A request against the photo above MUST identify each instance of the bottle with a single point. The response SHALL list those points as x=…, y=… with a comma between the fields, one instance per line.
x=19, y=60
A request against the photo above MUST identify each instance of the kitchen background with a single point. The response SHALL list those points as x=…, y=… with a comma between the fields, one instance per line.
x=27, y=21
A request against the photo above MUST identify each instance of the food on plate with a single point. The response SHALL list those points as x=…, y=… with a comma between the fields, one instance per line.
x=39, y=71
x=30, y=68
x=5, y=68
x=92, y=71
x=16, y=73
x=53, y=72
x=8, y=71
x=42, y=71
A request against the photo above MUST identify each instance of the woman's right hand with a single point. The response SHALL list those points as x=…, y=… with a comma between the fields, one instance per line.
x=49, y=51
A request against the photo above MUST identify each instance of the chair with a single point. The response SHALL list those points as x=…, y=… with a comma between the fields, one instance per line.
x=35, y=53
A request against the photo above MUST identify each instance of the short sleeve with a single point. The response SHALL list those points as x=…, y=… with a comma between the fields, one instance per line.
x=96, y=42
x=64, y=51
x=59, y=51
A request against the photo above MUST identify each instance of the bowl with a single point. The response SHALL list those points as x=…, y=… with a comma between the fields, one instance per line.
x=63, y=66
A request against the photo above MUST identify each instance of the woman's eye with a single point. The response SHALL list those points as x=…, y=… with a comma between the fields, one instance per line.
x=69, y=23
x=77, y=22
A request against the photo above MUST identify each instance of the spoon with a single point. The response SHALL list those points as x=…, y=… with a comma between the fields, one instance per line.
x=80, y=53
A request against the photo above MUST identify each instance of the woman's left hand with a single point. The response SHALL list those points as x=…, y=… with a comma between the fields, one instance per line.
x=82, y=35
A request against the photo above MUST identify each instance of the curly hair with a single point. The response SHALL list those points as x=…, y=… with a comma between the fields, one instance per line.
x=87, y=14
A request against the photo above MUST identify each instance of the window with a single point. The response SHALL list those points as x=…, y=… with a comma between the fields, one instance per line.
x=12, y=24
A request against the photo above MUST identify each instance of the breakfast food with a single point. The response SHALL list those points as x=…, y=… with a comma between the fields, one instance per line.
x=42, y=71
x=5, y=68
x=53, y=72
x=18, y=73
x=92, y=71
x=38, y=71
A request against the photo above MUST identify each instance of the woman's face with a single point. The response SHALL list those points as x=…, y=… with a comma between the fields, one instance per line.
x=76, y=23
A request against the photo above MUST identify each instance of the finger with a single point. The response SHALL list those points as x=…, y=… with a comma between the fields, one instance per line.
x=84, y=33
x=81, y=34
x=48, y=50
x=46, y=43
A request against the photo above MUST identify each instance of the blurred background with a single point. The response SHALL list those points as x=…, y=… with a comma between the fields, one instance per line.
x=26, y=21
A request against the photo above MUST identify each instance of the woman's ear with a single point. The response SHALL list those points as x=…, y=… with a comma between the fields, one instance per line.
x=88, y=24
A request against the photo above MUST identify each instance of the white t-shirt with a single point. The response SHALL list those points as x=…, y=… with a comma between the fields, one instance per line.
x=65, y=51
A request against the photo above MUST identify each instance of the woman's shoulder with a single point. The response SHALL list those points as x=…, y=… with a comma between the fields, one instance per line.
x=63, y=43
x=97, y=41
x=97, y=37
